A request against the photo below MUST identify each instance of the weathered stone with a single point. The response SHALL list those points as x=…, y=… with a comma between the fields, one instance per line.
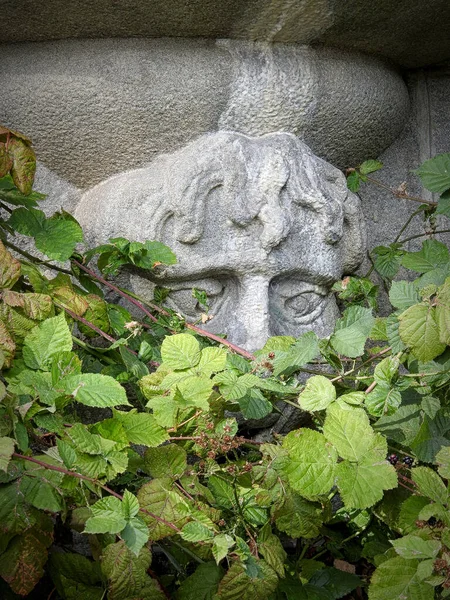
x=98, y=107
x=263, y=225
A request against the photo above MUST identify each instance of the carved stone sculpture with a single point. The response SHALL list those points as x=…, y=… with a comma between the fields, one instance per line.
x=263, y=225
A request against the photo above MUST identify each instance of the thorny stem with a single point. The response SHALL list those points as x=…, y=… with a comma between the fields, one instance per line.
x=161, y=311
x=405, y=226
x=399, y=195
x=95, y=482
x=419, y=235
x=366, y=362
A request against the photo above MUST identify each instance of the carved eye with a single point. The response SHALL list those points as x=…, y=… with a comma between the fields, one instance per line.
x=181, y=299
x=297, y=302
x=304, y=304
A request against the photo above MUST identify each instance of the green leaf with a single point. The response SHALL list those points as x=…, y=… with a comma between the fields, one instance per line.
x=254, y=405
x=202, y=584
x=413, y=546
x=238, y=585
x=221, y=544
x=318, y=394
x=312, y=462
x=419, y=330
x=135, y=534
x=107, y=516
x=6, y=451
x=352, y=330
x=194, y=391
x=349, y=431
x=403, y=294
x=58, y=238
x=41, y=494
x=93, y=389
x=75, y=576
x=370, y=166
x=231, y=386
x=433, y=255
x=273, y=553
x=336, y=582
x=409, y=513
x=180, y=351
x=142, y=428
x=125, y=572
x=196, y=532
x=397, y=578
x=222, y=490
x=166, y=461
x=45, y=340
x=435, y=173
x=443, y=312
x=443, y=462
x=386, y=370
x=387, y=260
x=431, y=436
x=353, y=181
x=299, y=354
x=443, y=207
x=298, y=517
x=158, y=497
x=9, y=268
x=156, y=253
x=383, y=400
x=361, y=484
x=429, y=484
x=212, y=360
x=27, y=221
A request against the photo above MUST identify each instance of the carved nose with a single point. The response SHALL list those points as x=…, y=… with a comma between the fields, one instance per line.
x=254, y=311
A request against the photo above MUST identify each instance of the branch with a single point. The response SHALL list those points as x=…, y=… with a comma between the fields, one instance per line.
x=161, y=311
x=34, y=259
x=95, y=482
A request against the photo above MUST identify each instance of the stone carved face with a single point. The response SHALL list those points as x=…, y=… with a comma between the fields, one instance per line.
x=261, y=224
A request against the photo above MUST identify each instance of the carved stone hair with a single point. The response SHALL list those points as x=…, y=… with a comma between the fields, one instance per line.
x=266, y=179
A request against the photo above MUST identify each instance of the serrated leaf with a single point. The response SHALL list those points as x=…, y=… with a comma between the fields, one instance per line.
x=273, y=553
x=413, y=546
x=387, y=260
x=158, y=497
x=362, y=484
x=254, y=405
x=443, y=207
x=212, y=360
x=24, y=164
x=45, y=340
x=386, y=369
x=349, y=431
x=370, y=166
x=431, y=436
x=352, y=330
x=397, y=578
x=353, y=181
x=312, y=463
x=22, y=564
x=107, y=516
x=125, y=572
x=305, y=349
x=27, y=221
x=6, y=451
x=135, y=534
x=237, y=584
x=419, y=330
x=403, y=294
x=429, y=484
x=180, y=351
x=383, y=400
x=298, y=517
x=231, y=386
x=75, y=576
x=318, y=394
x=222, y=490
x=435, y=173
x=202, y=584
x=443, y=462
x=336, y=582
x=409, y=513
x=433, y=255
x=393, y=335
x=166, y=461
x=5, y=160
x=196, y=532
x=41, y=494
x=7, y=345
x=194, y=391
x=9, y=268
x=221, y=544
x=93, y=389
x=142, y=428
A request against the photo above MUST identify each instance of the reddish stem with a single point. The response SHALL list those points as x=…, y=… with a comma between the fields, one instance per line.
x=161, y=311
x=95, y=482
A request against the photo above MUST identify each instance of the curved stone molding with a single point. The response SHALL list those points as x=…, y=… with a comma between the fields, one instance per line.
x=98, y=107
x=263, y=225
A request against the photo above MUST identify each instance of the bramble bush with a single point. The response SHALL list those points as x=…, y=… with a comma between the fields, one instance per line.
x=161, y=494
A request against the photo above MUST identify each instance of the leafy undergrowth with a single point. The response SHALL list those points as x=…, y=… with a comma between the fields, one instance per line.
x=123, y=475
